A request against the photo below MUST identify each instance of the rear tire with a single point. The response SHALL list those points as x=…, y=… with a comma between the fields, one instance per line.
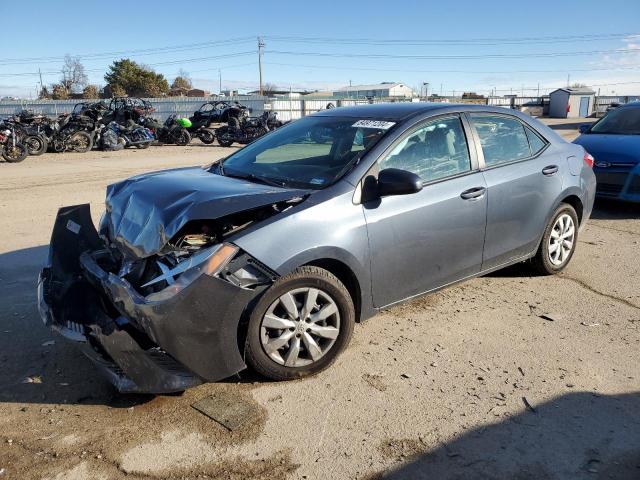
x=558, y=242
x=317, y=332
x=36, y=145
x=183, y=138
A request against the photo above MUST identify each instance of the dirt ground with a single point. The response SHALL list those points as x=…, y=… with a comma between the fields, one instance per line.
x=470, y=382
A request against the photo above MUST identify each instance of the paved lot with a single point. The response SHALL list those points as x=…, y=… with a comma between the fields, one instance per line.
x=434, y=389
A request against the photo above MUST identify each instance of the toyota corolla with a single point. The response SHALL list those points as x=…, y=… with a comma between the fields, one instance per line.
x=268, y=257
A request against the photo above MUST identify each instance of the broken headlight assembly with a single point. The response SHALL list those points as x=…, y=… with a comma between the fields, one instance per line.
x=208, y=261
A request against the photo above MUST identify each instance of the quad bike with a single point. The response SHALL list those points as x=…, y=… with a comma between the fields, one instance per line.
x=12, y=150
x=212, y=113
x=246, y=129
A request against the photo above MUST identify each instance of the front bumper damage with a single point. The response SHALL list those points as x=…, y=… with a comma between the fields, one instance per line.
x=142, y=346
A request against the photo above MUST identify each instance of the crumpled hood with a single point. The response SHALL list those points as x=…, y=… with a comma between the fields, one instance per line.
x=144, y=212
x=611, y=148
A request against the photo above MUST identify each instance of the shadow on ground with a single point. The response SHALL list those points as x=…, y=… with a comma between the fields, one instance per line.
x=605, y=209
x=37, y=366
x=576, y=436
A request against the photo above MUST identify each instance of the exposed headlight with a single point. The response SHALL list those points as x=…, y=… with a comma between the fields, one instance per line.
x=209, y=261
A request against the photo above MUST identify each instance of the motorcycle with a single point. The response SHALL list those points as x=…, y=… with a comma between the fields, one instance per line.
x=246, y=129
x=30, y=136
x=133, y=135
x=12, y=150
x=174, y=130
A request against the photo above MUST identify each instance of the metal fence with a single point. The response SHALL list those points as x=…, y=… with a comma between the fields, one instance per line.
x=294, y=108
x=165, y=106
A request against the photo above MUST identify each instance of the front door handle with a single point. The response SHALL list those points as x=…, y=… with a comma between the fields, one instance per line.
x=472, y=193
x=550, y=170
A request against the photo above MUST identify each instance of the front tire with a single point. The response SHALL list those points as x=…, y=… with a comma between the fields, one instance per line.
x=206, y=136
x=14, y=153
x=80, y=142
x=300, y=325
x=558, y=242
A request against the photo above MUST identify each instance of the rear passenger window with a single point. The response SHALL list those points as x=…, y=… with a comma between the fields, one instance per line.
x=503, y=139
x=436, y=150
x=535, y=142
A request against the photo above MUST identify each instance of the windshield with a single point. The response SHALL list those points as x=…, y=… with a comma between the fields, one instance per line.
x=313, y=152
x=623, y=121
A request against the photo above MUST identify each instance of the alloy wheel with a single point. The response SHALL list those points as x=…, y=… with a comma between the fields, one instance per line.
x=561, y=240
x=300, y=327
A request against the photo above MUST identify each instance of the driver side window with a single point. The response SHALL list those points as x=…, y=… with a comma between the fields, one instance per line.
x=436, y=150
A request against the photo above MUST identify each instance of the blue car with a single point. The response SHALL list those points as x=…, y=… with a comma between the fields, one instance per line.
x=614, y=142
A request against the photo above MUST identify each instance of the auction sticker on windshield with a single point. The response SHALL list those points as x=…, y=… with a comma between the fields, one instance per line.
x=378, y=124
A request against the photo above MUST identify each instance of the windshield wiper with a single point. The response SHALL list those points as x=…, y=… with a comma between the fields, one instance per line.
x=252, y=177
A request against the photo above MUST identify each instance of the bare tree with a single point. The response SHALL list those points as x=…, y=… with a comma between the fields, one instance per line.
x=182, y=81
x=73, y=75
x=269, y=88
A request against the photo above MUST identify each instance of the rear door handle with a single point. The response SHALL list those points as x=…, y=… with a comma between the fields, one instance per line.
x=550, y=169
x=472, y=193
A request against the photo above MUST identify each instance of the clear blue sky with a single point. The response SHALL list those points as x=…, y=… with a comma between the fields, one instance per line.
x=332, y=43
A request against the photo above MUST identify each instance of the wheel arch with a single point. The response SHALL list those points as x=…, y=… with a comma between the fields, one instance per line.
x=576, y=202
x=346, y=275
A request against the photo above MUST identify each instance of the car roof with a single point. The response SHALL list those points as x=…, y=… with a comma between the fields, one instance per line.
x=401, y=111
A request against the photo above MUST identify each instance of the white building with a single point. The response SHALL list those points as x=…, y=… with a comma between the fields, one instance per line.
x=378, y=90
x=571, y=102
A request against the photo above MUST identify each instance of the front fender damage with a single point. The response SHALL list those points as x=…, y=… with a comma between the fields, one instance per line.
x=142, y=346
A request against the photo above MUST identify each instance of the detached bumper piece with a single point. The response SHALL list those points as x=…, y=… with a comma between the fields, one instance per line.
x=141, y=346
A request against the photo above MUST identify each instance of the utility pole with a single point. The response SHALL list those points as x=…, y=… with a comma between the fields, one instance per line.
x=220, y=81
x=568, y=79
x=538, y=89
x=260, y=48
x=41, y=85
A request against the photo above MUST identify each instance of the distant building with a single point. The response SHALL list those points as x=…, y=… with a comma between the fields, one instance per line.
x=379, y=90
x=571, y=102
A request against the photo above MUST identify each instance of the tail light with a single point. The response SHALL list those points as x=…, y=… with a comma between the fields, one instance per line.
x=588, y=159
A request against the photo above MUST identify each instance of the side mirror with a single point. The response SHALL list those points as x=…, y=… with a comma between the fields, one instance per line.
x=393, y=181
x=584, y=128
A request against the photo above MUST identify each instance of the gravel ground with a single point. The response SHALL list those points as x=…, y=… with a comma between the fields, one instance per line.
x=470, y=382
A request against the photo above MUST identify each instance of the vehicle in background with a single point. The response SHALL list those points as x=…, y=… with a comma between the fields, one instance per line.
x=12, y=150
x=172, y=131
x=133, y=135
x=613, y=106
x=271, y=255
x=129, y=108
x=211, y=115
x=614, y=142
x=245, y=129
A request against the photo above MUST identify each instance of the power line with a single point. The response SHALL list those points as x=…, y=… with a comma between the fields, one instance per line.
x=137, y=52
x=336, y=67
x=453, y=42
x=451, y=57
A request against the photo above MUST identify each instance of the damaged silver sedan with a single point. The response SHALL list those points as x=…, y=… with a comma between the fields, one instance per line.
x=267, y=258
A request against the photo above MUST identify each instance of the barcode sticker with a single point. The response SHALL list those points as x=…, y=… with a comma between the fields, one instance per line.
x=379, y=124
